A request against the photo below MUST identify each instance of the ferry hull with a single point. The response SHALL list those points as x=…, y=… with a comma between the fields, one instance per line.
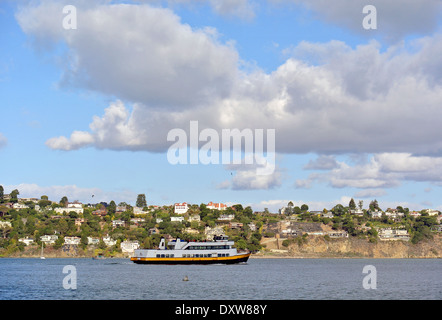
x=242, y=258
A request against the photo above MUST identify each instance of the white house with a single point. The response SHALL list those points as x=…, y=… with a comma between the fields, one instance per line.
x=393, y=234
x=137, y=221
x=217, y=206
x=118, y=223
x=415, y=214
x=338, y=234
x=138, y=210
x=72, y=240
x=27, y=241
x=19, y=206
x=357, y=212
x=108, y=241
x=76, y=207
x=194, y=217
x=129, y=246
x=180, y=208
x=432, y=212
x=5, y=224
x=226, y=217
x=375, y=214
x=176, y=219
x=121, y=208
x=93, y=241
x=49, y=239
x=67, y=210
x=75, y=204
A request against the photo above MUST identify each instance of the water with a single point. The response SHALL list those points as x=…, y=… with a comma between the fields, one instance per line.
x=259, y=279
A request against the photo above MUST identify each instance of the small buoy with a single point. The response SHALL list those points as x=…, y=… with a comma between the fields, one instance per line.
x=186, y=278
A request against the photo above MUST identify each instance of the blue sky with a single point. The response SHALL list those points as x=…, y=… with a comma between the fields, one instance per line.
x=355, y=112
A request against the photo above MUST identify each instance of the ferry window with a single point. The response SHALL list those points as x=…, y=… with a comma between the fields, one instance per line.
x=158, y=255
x=227, y=254
x=209, y=255
x=162, y=256
x=171, y=255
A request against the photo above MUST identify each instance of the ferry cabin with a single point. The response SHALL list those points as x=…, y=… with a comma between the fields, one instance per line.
x=219, y=251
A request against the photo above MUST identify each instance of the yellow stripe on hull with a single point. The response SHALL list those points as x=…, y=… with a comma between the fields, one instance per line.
x=202, y=260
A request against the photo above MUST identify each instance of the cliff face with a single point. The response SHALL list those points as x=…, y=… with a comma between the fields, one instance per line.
x=318, y=247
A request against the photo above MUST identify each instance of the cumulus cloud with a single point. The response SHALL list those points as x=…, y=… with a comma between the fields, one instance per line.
x=275, y=204
x=326, y=98
x=246, y=177
x=370, y=193
x=384, y=170
x=244, y=9
x=136, y=52
x=323, y=162
x=396, y=18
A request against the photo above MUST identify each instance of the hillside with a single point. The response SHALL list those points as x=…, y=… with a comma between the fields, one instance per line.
x=319, y=247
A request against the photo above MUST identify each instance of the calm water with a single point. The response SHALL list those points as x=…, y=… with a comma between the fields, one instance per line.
x=259, y=279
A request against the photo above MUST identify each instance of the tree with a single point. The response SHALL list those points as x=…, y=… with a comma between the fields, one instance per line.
x=360, y=204
x=112, y=207
x=352, y=204
x=304, y=207
x=2, y=194
x=44, y=203
x=141, y=201
x=374, y=205
x=338, y=210
x=64, y=201
x=14, y=195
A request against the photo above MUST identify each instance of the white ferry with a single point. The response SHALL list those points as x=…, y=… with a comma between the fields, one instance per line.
x=220, y=250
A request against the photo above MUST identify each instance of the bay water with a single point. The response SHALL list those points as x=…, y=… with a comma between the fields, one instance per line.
x=258, y=279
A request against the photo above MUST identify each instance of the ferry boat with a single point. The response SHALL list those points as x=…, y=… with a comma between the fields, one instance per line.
x=218, y=251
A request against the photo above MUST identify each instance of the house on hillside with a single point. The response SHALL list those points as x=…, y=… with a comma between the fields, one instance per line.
x=129, y=246
x=216, y=206
x=72, y=240
x=180, y=208
x=393, y=234
x=27, y=241
x=49, y=239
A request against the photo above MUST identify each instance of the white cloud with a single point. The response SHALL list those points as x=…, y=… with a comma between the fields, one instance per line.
x=323, y=162
x=275, y=204
x=244, y=9
x=136, y=52
x=78, y=139
x=239, y=8
x=370, y=193
x=384, y=170
x=246, y=177
x=395, y=18
x=326, y=98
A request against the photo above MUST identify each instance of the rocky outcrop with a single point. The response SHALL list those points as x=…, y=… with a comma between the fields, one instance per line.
x=320, y=247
